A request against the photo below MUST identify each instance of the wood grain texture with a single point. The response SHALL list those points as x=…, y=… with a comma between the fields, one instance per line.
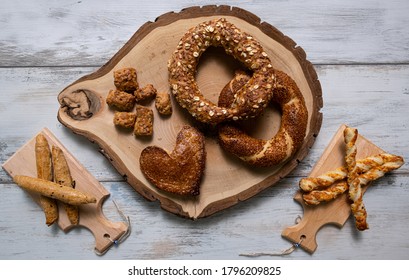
x=219, y=187
x=360, y=52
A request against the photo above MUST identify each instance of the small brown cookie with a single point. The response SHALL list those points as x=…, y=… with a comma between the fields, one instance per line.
x=120, y=100
x=148, y=91
x=163, y=103
x=181, y=170
x=125, y=119
x=144, y=121
x=125, y=79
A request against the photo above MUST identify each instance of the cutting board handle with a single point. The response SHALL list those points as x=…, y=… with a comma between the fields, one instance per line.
x=305, y=231
x=106, y=232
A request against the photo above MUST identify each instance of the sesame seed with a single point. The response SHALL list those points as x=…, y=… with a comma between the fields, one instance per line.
x=209, y=28
x=211, y=113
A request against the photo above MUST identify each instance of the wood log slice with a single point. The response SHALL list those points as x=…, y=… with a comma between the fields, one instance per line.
x=226, y=180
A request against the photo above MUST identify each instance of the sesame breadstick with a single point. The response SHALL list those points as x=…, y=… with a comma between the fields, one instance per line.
x=53, y=190
x=62, y=175
x=44, y=171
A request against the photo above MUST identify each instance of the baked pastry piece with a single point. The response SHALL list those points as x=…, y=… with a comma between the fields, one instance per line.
x=125, y=119
x=126, y=79
x=120, y=100
x=148, y=91
x=44, y=171
x=144, y=121
x=181, y=170
x=163, y=103
x=354, y=185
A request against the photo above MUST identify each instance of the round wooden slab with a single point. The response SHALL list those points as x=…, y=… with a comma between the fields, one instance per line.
x=226, y=180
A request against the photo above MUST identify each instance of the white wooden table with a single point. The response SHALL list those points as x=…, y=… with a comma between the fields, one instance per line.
x=360, y=50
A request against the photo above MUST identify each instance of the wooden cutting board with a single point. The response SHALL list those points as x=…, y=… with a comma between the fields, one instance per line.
x=335, y=212
x=227, y=180
x=91, y=216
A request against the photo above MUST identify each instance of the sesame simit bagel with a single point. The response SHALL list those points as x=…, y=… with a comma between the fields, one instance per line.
x=290, y=136
x=249, y=100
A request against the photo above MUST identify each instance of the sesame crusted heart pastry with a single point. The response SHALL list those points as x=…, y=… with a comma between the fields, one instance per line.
x=179, y=171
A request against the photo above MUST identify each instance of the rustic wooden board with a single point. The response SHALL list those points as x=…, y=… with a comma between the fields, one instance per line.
x=335, y=212
x=226, y=180
x=91, y=216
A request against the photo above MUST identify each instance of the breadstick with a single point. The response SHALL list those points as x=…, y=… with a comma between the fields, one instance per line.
x=377, y=172
x=324, y=180
x=330, y=177
x=350, y=136
x=62, y=176
x=44, y=171
x=332, y=192
x=355, y=187
x=53, y=190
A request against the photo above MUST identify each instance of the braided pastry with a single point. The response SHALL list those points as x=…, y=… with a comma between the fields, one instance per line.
x=355, y=188
x=378, y=172
x=250, y=99
x=362, y=165
x=332, y=192
x=290, y=135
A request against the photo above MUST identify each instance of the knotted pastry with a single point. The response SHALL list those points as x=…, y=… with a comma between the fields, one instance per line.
x=290, y=135
x=181, y=170
x=250, y=99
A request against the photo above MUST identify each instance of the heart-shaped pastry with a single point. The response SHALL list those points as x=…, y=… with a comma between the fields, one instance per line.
x=181, y=170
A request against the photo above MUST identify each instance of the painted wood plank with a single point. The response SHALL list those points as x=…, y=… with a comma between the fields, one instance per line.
x=159, y=235
x=89, y=33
